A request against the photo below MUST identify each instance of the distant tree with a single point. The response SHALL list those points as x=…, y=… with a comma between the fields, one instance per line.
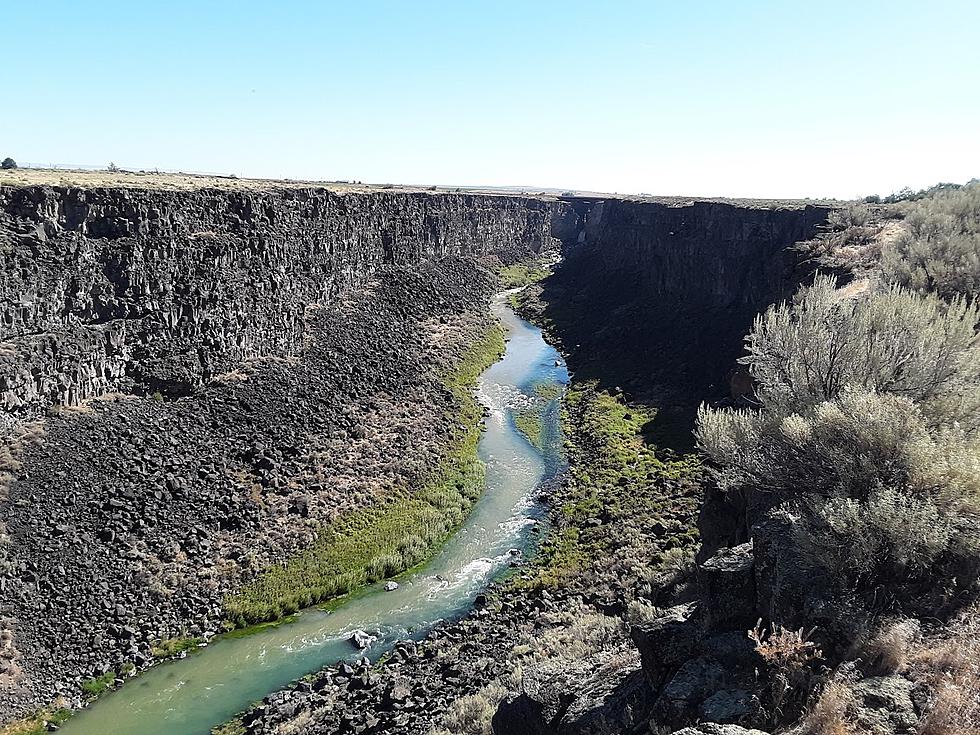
x=112, y=167
x=8, y=162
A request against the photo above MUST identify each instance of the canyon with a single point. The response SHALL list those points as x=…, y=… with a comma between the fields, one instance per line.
x=195, y=381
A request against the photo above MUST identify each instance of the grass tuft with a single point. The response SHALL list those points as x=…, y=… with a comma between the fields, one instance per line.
x=174, y=646
x=99, y=685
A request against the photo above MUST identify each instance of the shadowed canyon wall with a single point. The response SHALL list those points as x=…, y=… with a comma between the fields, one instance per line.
x=656, y=296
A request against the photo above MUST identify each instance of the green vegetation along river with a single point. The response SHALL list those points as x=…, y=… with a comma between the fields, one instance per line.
x=192, y=695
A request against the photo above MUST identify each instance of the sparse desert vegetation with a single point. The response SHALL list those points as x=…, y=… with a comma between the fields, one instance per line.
x=940, y=250
x=615, y=489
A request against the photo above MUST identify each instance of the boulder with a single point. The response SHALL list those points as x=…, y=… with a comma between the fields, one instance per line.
x=714, y=684
x=667, y=642
x=729, y=706
x=727, y=582
x=602, y=692
x=693, y=683
x=361, y=639
x=709, y=728
x=783, y=578
x=885, y=706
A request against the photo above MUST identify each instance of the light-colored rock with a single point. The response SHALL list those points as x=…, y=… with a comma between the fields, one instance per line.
x=361, y=639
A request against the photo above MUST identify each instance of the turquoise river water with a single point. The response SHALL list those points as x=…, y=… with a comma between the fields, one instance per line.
x=192, y=695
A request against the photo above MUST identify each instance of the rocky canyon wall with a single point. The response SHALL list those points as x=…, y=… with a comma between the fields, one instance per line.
x=147, y=290
x=655, y=296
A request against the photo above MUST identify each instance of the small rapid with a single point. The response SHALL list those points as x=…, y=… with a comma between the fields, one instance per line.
x=192, y=695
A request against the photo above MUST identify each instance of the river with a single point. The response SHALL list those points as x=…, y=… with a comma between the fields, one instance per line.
x=192, y=695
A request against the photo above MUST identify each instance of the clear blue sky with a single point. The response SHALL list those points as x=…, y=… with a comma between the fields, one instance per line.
x=735, y=98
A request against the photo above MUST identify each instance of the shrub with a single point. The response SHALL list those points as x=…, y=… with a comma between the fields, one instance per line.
x=885, y=505
x=8, y=163
x=843, y=448
x=471, y=714
x=940, y=251
x=791, y=663
x=805, y=352
x=889, y=535
x=867, y=432
x=580, y=633
x=854, y=215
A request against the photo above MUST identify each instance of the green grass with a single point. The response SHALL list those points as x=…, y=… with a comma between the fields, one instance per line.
x=234, y=632
x=523, y=274
x=547, y=391
x=174, y=646
x=614, y=473
x=37, y=723
x=99, y=685
x=530, y=423
x=384, y=540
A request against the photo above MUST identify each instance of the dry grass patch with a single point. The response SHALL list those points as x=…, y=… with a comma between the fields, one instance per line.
x=889, y=649
x=830, y=714
x=471, y=714
x=12, y=448
x=949, y=667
